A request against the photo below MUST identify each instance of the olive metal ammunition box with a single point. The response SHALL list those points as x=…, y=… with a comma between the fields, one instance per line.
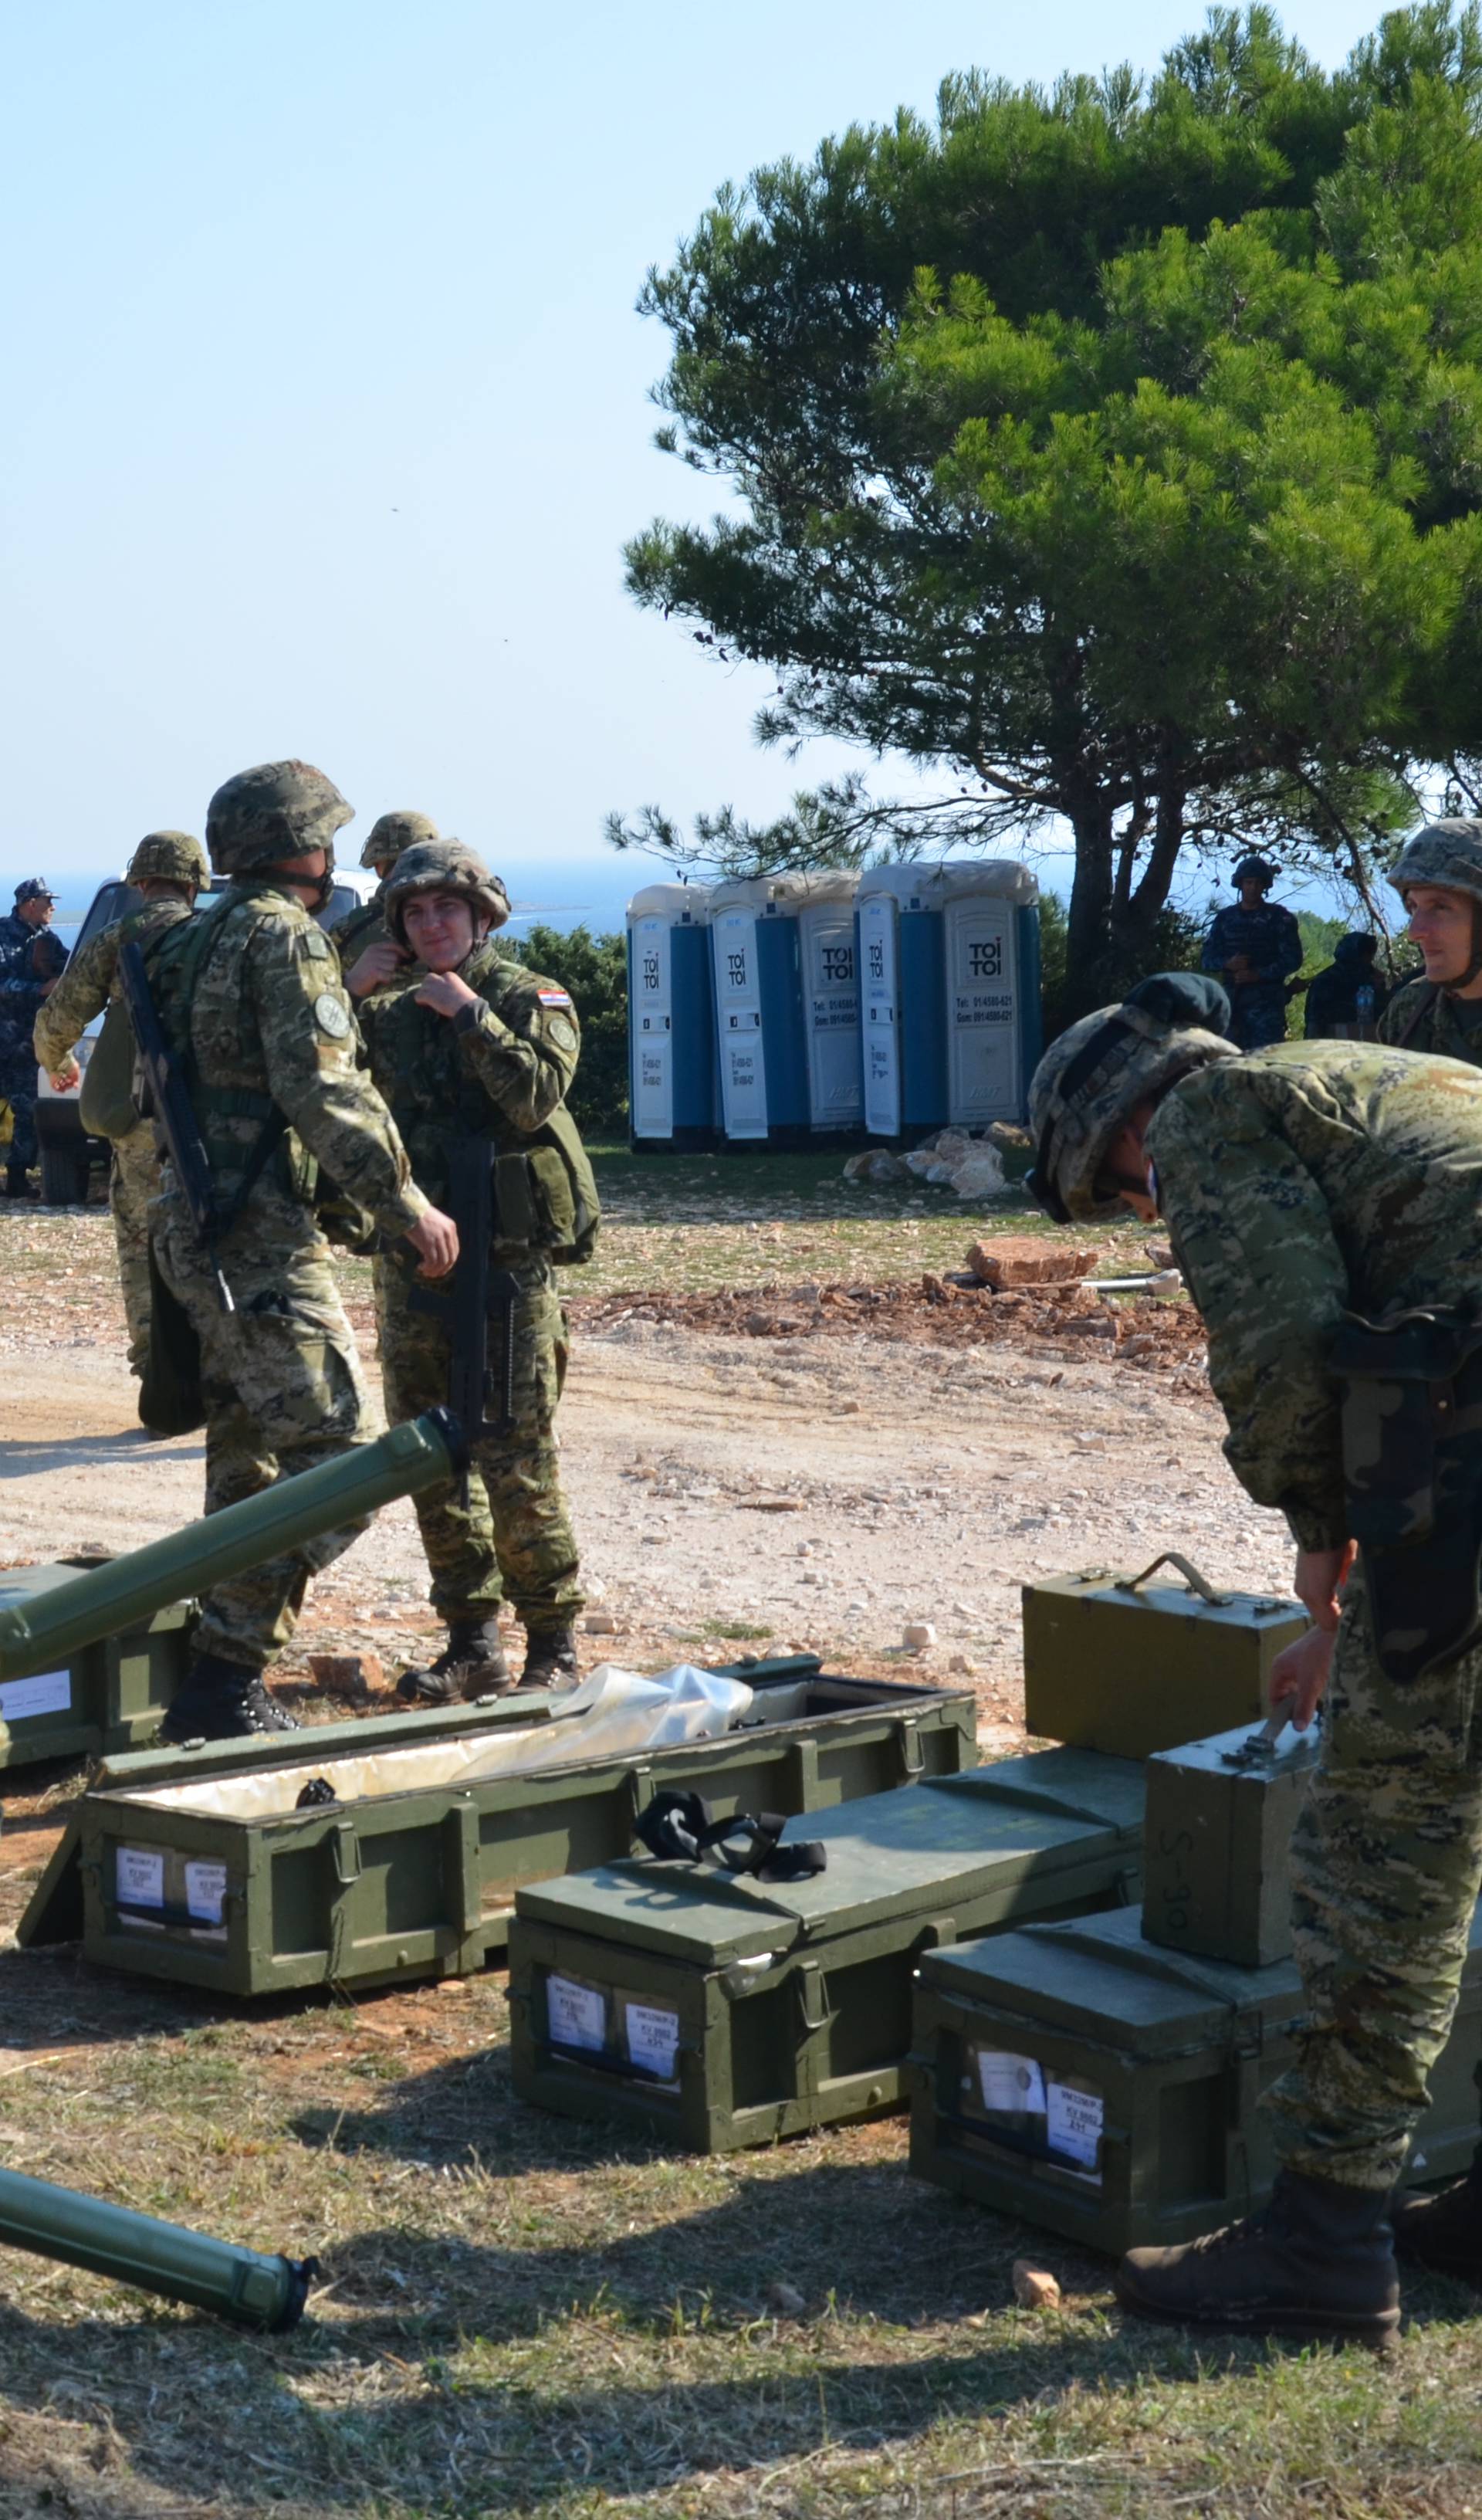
x=1217, y=1875
x=1075, y=2076
x=721, y=2010
x=1113, y=1662
x=201, y=1867
x=105, y=1697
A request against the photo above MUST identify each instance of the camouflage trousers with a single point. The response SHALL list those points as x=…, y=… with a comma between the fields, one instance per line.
x=133, y=1182
x=1386, y=1864
x=283, y=1391
x=514, y=1536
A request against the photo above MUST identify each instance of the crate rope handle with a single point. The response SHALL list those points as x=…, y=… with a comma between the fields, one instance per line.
x=1193, y=1578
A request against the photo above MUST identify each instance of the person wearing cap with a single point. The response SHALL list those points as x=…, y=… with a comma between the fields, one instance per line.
x=1253, y=947
x=1323, y=1200
x=31, y=963
x=465, y=1042
x=388, y=835
x=1347, y=997
x=168, y=870
x=1438, y=876
x=249, y=1000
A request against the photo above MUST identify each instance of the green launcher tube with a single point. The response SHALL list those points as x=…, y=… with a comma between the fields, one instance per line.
x=40, y=1634
x=159, y=2257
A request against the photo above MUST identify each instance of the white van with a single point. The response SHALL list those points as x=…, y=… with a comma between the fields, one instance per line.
x=66, y=1153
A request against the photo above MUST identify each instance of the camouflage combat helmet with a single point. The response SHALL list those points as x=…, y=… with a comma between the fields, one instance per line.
x=280, y=809
x=168, y=856
x=1254, y=866
x=442, y=866
x=390, y=834
x=1092, y=1080
x=1447, y=853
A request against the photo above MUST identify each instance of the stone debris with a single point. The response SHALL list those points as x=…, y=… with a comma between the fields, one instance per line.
x=1013, y=1260
x=971, y=1166
x=354, y=1676
x=786, y=2299
x=918, y=1635
x=1033, y=2289
x=600, y=1623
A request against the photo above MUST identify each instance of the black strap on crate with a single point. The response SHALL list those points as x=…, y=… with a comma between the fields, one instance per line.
x=680, y=1827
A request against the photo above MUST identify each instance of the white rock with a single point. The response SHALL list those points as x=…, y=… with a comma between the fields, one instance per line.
x=600, y=1623
x=918, y=1635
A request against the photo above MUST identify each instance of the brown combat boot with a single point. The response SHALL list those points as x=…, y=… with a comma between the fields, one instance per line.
x=1443, y=2230
x=472, y=1664
x=1317, y=2260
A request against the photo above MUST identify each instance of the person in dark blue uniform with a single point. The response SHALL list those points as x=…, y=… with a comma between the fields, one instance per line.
x=1345, y=1001
x=1254, y=947
x=31, y=961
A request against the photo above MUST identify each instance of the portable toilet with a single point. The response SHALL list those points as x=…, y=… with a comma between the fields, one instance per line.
x=671, y=1019
x=950, y=993
x=787, y=1006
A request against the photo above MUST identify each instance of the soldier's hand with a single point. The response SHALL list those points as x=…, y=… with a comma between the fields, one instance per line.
x=1299, y=1675
x=1320, y=1576
x=436, y=1237
x=379, y=964
x=447, y=994
x=64, y=1077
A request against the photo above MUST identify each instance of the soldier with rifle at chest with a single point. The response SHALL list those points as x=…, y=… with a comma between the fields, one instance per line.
x=474, y=1056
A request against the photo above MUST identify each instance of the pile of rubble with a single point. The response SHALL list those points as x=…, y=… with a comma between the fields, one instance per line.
x=966, y=1161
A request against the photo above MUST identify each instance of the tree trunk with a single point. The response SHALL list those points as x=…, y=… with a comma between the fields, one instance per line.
x=1088, y=940
x=1133, y=932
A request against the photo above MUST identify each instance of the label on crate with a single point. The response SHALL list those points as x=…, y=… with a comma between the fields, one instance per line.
x=139, y=1877
x=1010, y=2084
x=1073, y=2123
x=45, y=1692
x=653, y=2032
x=576, y=2017
x=204, y=1890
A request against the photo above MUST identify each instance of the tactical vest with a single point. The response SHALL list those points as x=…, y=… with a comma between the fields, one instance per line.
x=237, y=1158
x=545, y=1192
x=106, y=1105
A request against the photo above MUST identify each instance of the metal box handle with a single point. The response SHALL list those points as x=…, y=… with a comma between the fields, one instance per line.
x=1195, y=1581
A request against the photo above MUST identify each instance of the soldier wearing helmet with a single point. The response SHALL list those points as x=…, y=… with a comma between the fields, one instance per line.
x=1253, y=948
x=390, y=834
x=249, y=999
x=1324, y=1202
x=1438, y=876
x=168, y=870
x=31, y=961
x=465, y=1042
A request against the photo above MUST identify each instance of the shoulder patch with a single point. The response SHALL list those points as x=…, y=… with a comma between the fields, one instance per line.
x=562, y=1033
x=331, y=1017
x=552, y=996
x=316, y=945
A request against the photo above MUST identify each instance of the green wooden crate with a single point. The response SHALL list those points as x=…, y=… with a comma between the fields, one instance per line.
x=1217, y=1870
x=108, y=1696
x=199, y=1867
x=719, y=2010
x=1120, y=1663
x=1078, y=2076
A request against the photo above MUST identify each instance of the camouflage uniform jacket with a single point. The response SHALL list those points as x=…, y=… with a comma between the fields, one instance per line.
x=1299, y=1183
x=91, y=978
x=496, y=1070
x=362, y=927
x=268, y=1026
x=1428, y=1015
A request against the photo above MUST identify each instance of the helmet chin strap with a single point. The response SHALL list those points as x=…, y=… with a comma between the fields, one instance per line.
x=1465, y=980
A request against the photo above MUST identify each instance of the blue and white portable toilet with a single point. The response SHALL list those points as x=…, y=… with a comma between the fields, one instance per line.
x=671, y=1019
x=787, y=1008
x=950, y=993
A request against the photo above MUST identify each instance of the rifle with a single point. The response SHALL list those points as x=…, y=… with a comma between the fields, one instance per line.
x=169, y=1105
x=465, y=1304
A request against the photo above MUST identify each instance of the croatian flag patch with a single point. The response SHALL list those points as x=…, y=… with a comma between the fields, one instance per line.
x=552, y=996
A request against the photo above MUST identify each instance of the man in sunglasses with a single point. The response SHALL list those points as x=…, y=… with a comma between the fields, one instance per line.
x=1324, y=1202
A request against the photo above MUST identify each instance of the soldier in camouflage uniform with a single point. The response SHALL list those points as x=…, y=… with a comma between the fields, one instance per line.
x=388, y=835
x=466, y=1042
x=250, y=999
x=1253, y=948
x=168, y=870
x=1298, y=1184
x=27, y=980
x=1438, y=876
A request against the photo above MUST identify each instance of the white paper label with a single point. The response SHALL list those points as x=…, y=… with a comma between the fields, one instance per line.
x=139, y=1878
x=653, y=2039
x=1010, y=2081
x=204, y=1890
x=1075, y=2120
x=577, y=2016
x=46, y=1692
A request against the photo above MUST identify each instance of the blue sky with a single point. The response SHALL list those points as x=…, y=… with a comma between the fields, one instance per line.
x=328, y=406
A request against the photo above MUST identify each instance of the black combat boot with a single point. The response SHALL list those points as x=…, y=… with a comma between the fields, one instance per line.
x=472, y=1664
x=1443, y=2230
x=14, y=1181
x=1318, y=2260
x=550, y=1658
x=219, y=1701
